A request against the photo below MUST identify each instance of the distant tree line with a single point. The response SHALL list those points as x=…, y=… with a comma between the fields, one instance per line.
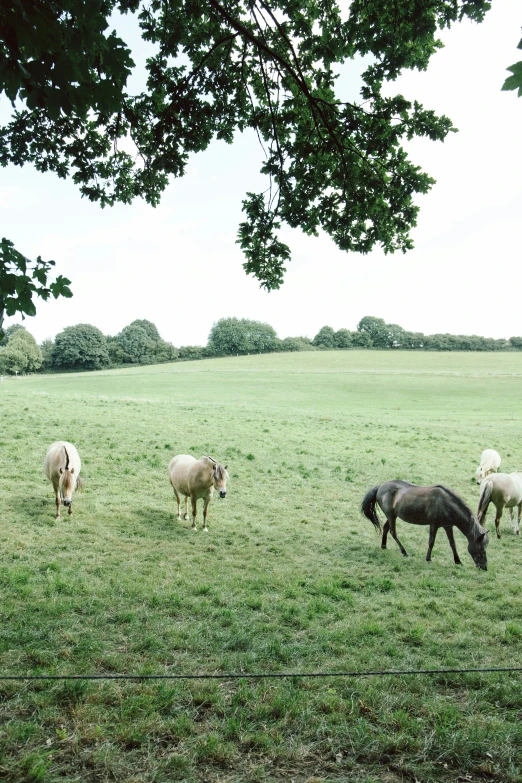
x=376, y=333
x=85, y=347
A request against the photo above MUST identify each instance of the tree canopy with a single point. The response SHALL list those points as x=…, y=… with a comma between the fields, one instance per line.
x=325, y=337
x=241, y=335
x=150, y=328
x=21, y=354
x=223, y=66
x=135, y=343
x=8, y=333
x=140, y=343
x=80, y=347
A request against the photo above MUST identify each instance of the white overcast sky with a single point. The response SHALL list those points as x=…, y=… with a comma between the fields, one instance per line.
x=178, y=265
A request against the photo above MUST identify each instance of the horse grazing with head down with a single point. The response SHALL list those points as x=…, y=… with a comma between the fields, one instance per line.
x=197, y=478
x=434, y=506
x=62, y=467
x=504, y=490
x=489, y=463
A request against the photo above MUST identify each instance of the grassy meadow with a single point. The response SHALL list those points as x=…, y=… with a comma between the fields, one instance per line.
x=289, y=578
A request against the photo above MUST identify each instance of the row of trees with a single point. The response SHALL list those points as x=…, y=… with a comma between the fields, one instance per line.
x=85, y=347
x=376, y=333
x=231, y=336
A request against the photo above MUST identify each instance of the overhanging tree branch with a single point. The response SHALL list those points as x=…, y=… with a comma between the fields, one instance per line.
x=223, y=66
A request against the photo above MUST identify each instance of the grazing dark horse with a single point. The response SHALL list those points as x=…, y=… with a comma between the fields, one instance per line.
x=434, y=506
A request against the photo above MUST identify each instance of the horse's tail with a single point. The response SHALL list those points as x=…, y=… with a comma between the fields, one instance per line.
x=485, y=500
x=368, y=507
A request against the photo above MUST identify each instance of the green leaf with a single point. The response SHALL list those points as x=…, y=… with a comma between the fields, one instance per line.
x=22, y=281
x=514, y=82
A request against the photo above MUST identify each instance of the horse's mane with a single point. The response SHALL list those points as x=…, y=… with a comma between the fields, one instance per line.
x=218, y=466
x=458, y=500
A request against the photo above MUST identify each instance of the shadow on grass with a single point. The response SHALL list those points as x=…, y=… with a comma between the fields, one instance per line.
x=160, y=522
x=33, y=507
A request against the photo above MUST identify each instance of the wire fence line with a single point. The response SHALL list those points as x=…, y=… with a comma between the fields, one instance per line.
x=258, y=675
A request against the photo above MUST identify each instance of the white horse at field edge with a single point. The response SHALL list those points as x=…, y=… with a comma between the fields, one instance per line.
x=197, y=478
x=62, y=466
x=489, y=463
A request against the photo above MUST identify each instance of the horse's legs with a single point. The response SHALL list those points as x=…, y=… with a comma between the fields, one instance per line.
x=433, y=533
x=519, y=512
x=178, y=499
x=57, y=495
x=194, y=500
x=498, y=517
x=385, y=530
x=186, y=507
x=70, y=507
x=205, y=512
x=392, y=520
x=451, y=539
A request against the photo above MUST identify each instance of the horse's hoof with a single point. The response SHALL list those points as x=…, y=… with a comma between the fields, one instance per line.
x=186, y=517
x=458, y=562
x=195, y=529
x=383, y=547
x=428, y=559
x=205, y=529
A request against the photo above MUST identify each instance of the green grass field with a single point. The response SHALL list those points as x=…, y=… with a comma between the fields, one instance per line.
x=289, y=578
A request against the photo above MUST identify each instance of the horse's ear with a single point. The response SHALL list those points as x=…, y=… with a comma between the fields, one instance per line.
x=482, y=536
x=61, y=470
x=72, y=470
x=226, y=467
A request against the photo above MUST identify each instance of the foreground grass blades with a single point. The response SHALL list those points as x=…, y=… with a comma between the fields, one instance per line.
x=290, y=577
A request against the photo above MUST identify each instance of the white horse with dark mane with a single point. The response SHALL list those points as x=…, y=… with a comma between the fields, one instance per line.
x=194, y=479
x=504, y=490
x=489, y=463
x=62, y=467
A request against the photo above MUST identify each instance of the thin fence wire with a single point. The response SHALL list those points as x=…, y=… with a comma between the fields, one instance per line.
x=258, y=675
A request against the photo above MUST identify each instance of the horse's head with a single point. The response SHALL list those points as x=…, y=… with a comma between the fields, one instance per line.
x=479, y=475
x=477, y=547
x=67, y=483
x=219, y=479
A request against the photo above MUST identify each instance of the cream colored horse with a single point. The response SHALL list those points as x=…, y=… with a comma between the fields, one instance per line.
x=197, y=478
x=504, y=490
x=62, y=467
x=489, y=463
